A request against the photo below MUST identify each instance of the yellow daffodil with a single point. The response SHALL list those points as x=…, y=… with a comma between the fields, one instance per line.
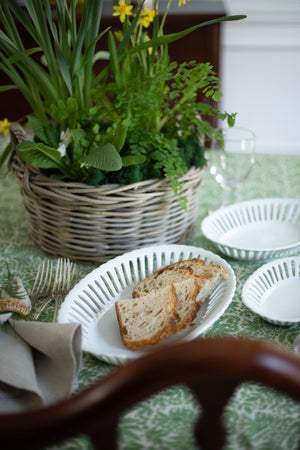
x=147, y=17
x=4, y=126
x=182, y=2
x=122, y=10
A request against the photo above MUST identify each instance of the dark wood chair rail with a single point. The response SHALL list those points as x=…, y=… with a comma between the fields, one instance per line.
x=212, y=368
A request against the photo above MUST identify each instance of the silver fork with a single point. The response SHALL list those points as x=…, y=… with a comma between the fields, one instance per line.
x=43, y=282
x=61, y=284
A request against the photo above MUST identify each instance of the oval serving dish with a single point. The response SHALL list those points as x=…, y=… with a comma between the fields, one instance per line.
x=91, y=301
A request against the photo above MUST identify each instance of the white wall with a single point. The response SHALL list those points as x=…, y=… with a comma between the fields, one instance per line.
x=260, y=71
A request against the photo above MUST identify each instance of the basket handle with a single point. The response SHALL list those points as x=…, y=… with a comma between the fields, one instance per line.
x=14, y=163
x=17, y=133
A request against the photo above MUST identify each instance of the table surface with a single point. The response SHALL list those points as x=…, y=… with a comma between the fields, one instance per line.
x=256, y=417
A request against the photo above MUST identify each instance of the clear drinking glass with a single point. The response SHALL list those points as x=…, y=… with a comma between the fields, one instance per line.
x=231, y=158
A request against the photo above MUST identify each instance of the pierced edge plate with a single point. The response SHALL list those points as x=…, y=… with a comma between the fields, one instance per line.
x=266, y=282
x=91, y=301
x=252, y=212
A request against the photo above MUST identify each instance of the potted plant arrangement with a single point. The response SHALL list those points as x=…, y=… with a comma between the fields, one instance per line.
x=114, y=159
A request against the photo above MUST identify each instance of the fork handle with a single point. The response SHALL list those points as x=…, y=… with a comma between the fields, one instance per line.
x=42, y=308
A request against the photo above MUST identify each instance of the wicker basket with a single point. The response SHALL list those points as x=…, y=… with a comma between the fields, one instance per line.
x=92, y=224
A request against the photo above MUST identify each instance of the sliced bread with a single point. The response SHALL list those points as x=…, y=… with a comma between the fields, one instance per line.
x=161, y=279
x=214, y=272
x=205, y=287
x=172, y=273
x=147, y=320
x=190, y=294
x=177, y=272
x=187, y=305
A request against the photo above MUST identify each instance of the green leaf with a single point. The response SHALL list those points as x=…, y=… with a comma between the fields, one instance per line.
x=217, y=96
x=123, y=45
x=78, y=149
x=38, y=128
x=130, y=160
x=53, y=135
x=114, y=58
x=7, y=87
x=101, y=55
x=116, y=137
x=168, y=38
x=231, y=119
x=39, y=155
x=64, y=71
x=105, y=158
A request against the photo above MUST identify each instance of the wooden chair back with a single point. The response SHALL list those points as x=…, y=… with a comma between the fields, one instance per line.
x=212, y=368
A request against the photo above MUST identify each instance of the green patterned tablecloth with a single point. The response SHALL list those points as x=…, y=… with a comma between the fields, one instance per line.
x=257, y=418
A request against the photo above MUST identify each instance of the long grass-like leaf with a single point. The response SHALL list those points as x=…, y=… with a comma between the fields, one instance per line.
x=51, y=23
x=64, y=70
x=89, y=53
x=22, y=85
x=114, y=58
x=22, y=17
x=10, y=26
x=34, y=70
x=63, y=41
x=168, y=38
x=129, y=32
x=16, y=58
x=72, y=22
x=94, y=22
x=7, y=87
x=78, y=45
x=38, y=16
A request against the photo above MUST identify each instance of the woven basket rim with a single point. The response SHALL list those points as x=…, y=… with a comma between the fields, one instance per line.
x=92, y=224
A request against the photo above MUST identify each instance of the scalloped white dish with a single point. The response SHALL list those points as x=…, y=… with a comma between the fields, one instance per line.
x=91, y=301
x=273, y=291
x=255, y=230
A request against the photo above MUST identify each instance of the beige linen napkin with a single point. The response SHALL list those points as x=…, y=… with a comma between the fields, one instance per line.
x=38, y=363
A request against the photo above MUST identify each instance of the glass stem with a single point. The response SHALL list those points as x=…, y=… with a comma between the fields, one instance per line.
x=229, y=196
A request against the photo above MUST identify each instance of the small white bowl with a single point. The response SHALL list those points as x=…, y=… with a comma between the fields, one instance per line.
x=273, y=291
x=256, y=230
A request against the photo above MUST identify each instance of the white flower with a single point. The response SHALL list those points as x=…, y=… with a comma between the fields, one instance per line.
x=65, y=137
x=62, y=150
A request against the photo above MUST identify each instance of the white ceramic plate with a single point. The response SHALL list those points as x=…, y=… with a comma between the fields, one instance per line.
x=91, y=301
x=256, y=230
x=273, y=291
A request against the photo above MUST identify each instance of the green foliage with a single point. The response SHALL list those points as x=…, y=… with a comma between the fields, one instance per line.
x=65, y=69
x=73, y=155
x=40, y=155
x=10, y=286
x=132, y=121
